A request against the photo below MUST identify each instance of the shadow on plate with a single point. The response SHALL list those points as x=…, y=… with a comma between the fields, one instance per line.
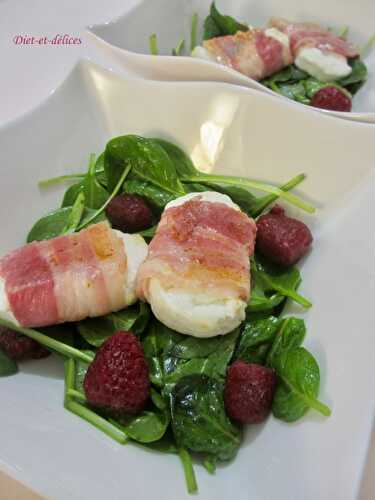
x=51, y=367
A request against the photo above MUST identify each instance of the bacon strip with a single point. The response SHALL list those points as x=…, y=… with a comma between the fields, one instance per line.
x=257, y=55
x=302, y=35
x=199, y=246
x=31, y=305
x=67, y=278
x=252, y=53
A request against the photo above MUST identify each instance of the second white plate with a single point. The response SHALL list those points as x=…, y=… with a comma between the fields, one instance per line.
x=126, y=39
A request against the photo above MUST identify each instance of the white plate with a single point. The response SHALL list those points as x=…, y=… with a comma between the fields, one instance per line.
x=126, y=39
x=232, y=130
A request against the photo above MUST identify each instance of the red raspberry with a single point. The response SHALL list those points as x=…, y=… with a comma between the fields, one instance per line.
x=129, y=213
x=117, y=380
x=281, y=239
x=248, y=393
x=331, y=98
x=19, y=347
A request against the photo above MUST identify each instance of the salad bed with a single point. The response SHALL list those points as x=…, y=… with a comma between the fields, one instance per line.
x=290, y=82
x=186, y=414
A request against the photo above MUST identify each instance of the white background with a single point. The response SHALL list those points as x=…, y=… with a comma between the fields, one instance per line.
x=29, y=73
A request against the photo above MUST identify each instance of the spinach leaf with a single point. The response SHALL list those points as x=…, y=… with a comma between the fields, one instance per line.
x=75, y=215
x=210, y=28
x=149, y=233
x=260, y=302
x=244, y=199
x=150, y=425
x=193, y=347
x=171, y=355
x=289, y=337
x=274, y=279
x=299, y=385
x=133, y=318
x=147, y=427
x=199, y=421
x=257, y=334
x=7, y=365
x=71, y=194
x=290, y=74
x=159, y=338
x=97, y=330
x=54, y=223
x=146, y=159
x=357, y=77
x=99, y=170
x=95, y=194
x=295, y=91
x=155, y=196
x=50, y=226
x=181, y=161
x=312, y=86
x=91, y=216
x=219, y=25
x=64, y=332
x=198, y=356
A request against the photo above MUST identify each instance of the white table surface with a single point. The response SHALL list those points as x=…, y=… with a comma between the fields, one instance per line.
x=29, y=73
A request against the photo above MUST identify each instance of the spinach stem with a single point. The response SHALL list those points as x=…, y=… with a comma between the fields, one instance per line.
x=193, y=32
x=267, y=200
x=73, y=393
x=59, y=179
x=69, y=376
x=313, y=403
x=96, y=420
x=50, y=343
x=320, y=407
x=179, y=48
x=113, y=194
x=365, y=50
x=63, y=178
x=75, y=215
x=153, y=41
x=187, y=464
x=344, y=32
x=247, y=183
x=83, y=412
x=210, y=465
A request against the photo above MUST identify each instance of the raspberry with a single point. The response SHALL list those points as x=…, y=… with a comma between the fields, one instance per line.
x=129, y=213
x=19, y=347
x=331, y=98
x=117, y=380
x=248, y=393
x=283, y=240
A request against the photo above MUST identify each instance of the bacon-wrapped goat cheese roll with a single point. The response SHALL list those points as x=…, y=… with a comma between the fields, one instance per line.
x=196, y=276
x=72, y=277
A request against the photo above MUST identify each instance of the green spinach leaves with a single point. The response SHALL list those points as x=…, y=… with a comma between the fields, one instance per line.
x=299, y=385
x=199, y=420
x=217, y=24
x=7, y=365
